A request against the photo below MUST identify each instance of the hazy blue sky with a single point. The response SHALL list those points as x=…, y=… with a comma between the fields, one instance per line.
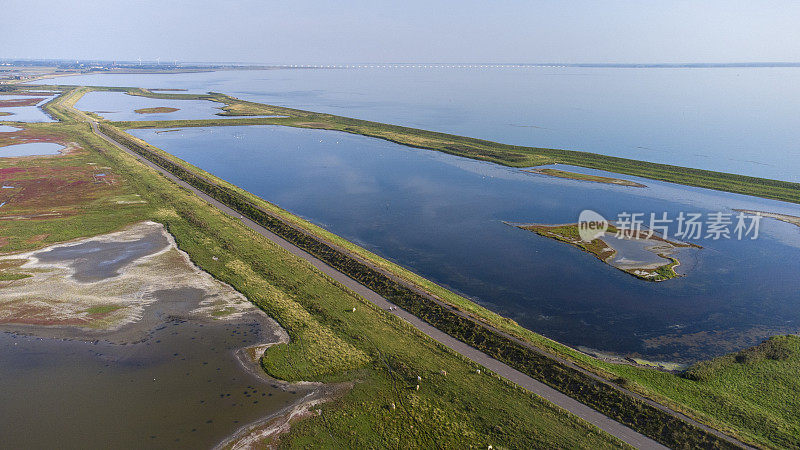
x=348, y=31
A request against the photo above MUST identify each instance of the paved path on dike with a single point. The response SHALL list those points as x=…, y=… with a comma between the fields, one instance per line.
x=564, y=401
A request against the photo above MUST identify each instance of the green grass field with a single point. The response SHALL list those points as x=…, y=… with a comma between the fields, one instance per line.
x=751, y=394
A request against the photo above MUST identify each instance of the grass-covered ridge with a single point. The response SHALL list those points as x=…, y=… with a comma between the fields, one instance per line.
x=601, y=396
x=770, y=428
x=63, y=108
x=377, y=352
x=751, y=393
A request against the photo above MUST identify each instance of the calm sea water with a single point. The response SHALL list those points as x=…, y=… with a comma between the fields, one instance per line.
x=442, y=216
x=741, y=120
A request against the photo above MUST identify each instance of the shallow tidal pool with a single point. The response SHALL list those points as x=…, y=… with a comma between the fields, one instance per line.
x=182, y=387
x=30, y=149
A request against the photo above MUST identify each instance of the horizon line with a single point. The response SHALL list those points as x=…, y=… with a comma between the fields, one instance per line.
x=173, y=62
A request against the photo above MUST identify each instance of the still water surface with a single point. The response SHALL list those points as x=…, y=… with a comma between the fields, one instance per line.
x=30, y=149
x=741, y=120
x=181, y=388
x=442, y=216
x=121, y=106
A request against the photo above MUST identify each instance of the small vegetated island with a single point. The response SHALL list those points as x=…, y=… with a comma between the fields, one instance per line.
x=584, y=177
x=156, y=110
x=644, y=255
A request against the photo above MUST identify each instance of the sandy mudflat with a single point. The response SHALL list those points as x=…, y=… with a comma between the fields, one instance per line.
x=116, y=287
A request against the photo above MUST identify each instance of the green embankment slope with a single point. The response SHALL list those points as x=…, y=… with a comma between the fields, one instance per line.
x=603, y=397
x=724, y=398
x=751, y=393
x=377, y=352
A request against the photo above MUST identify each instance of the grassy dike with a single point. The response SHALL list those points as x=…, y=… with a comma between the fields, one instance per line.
x=751, y=394
x=62, y=107
x=770, y=420
x=723, y=399
x=378, y=353
x=518, y=354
